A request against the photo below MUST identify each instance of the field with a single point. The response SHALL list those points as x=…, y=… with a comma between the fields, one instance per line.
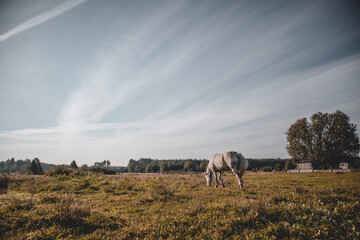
x=139, y=206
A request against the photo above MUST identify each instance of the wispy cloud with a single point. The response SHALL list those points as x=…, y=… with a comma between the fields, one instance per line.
x=257, y=127
x=181, y=80
x=56, y=11
x=205, y=86
x=118, y=69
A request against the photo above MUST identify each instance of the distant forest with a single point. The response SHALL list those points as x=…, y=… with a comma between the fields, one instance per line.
x=143, y=165
x=148, y=165
x=26, y=166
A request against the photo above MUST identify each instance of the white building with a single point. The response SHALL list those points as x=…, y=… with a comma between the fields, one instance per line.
x=344, y=166
x=304, y=167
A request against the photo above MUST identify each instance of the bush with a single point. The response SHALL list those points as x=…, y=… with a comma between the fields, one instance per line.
x=159, y=191
x=58, y=171
x=277, y=168
x=66, y=171
x=77, y=215
x=69, y=213
x=267, y=169
x=4, y=183
x=18, y=204
x=102, y=170
x=356, y=164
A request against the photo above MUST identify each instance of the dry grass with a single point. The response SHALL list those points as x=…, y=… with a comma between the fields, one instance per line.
x=181, y=206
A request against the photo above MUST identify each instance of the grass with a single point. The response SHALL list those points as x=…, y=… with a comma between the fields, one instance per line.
x=151, y=206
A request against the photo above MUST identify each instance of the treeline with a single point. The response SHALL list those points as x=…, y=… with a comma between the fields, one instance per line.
x=148, y=165
x=269, y=164
x=83, y=170
x=143, y=165
x=35, y=167
x=26, y=166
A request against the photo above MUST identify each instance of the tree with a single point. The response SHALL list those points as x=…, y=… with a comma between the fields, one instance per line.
x=102, y=164
x=147, y=168
x=107, y=163
x=74, y=165
x=277, y=168
x=343, y=141
x=84, y=167
x=267, y=169
x=189, y=166
x=131, y=166
x=152, y=167
x=289, y=165
x=163, y=167
x=299, y=141
x=326, y=139
x=203, y=165
x=35, y=167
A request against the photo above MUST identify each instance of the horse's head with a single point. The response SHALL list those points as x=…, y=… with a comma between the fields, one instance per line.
x=208, y=177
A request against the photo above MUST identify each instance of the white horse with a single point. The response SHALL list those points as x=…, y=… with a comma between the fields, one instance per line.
x=227, y=161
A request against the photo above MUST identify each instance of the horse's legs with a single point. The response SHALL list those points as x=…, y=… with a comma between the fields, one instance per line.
x=216, y=179
x=241, y=184
x=222, y=184
x=238, y=176
x=241, y=179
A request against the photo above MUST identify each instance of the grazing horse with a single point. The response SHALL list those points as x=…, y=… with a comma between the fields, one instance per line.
x=227, y=161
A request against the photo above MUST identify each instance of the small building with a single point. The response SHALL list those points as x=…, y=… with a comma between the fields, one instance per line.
x=344, y=166
x=304, y=166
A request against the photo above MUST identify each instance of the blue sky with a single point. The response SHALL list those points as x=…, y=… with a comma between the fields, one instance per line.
x=93, y=80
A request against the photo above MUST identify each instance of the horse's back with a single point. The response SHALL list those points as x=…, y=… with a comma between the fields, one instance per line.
x=235, y=160
x=228, y=160
x=218, y=162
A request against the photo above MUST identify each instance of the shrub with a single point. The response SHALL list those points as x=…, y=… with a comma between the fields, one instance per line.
x=277, y=167
x=58, y=171
x=49, y=199
x=17, y=204
x=35, y=167
x=127, y=183
x=102, y=170
x=4, y=183
x=70, y=213
x=300, y=190
x=73, y=165
x=159, y=191
x=267, y=169
x=76, y=215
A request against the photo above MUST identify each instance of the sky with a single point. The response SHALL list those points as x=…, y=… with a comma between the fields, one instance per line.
x=90, y=80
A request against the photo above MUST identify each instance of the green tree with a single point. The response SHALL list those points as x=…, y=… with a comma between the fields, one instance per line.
x=326, y=139
x=108, y=163
x=139, y=169
x=74, y=165
x=267, y=169
x=84, y=167
x=169, y=165
x=277, y=168
x=131, y=166
x=147, y=168
x=163, y=167
x=203, y=165
x=289, y=165
x=189, y=166
x=343, y=141
x=35, y=167
x=152, y=167
x=299, y=140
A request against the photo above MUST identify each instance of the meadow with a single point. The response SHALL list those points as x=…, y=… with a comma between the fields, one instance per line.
x=181, y=206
